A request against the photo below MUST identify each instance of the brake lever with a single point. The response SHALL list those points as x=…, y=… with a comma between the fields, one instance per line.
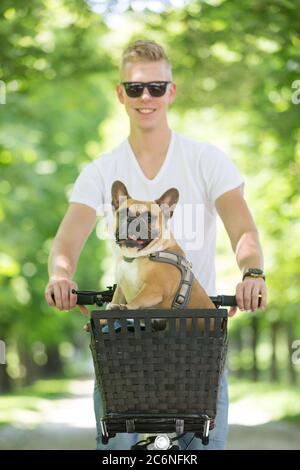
x=89, y=297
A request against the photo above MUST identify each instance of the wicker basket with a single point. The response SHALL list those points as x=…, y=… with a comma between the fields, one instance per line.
x=159, y=380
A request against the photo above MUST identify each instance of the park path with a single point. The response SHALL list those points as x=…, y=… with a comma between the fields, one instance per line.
x=68, y=423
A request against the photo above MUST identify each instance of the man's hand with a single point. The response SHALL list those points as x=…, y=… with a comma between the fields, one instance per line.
x=58, y=293
x=71, y=236
x=247, y=295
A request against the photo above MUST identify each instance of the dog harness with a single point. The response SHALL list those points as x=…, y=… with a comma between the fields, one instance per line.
x=183, y=293
x=184, y=290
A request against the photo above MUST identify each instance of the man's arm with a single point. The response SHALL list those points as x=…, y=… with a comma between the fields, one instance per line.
x=71, y=236
x=244, y=238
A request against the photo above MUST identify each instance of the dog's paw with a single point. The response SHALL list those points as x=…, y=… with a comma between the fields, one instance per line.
x=111, y=306
x=122, y=306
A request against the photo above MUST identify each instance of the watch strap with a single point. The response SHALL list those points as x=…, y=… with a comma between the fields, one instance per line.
x=254, y=275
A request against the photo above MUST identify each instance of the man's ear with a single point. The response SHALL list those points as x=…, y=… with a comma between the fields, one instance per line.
x=171, y=93
x=118, y=193
x=167, y=202
x=120, y=93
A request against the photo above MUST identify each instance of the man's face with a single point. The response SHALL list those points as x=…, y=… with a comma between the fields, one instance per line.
x=146, y=112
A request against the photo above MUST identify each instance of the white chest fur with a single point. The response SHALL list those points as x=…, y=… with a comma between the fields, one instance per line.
x=129, y=278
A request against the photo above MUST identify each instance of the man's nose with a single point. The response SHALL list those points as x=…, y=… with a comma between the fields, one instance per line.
x=145, y=95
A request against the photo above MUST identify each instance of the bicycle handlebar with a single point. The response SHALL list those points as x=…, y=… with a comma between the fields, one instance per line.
x=99, y=298
x=90, y=297
x=224, y=300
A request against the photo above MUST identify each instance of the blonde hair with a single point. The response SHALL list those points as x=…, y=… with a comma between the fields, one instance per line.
x=144, y=51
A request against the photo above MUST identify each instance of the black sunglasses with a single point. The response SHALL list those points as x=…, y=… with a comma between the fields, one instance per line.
x=135, y=89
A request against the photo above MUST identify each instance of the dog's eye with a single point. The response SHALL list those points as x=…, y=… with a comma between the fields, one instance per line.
x=152, y=218
x=123, y=213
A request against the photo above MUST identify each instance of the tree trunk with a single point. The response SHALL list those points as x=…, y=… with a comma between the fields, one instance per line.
x=254, y=338
x=54, y=365
x=274, y=370
x=292, y=376
x=31, y=367
x=239, y=347
x=5, y=380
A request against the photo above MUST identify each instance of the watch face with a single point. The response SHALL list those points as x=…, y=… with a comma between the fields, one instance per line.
x=255, y=271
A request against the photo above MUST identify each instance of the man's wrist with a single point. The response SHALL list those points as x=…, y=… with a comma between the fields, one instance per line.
x=60, y=275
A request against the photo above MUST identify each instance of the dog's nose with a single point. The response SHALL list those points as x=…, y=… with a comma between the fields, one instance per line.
x=137, y=226
x=132, y=236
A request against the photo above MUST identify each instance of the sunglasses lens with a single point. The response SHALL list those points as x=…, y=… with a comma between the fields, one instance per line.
x=157, y=89
x=133, y=91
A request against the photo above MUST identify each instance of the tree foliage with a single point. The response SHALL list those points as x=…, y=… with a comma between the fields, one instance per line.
x=240, y=59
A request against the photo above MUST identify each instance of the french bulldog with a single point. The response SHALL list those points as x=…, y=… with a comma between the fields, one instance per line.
x=141, y=228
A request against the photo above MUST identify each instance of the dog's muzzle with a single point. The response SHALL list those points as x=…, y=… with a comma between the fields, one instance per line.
x=136, y=232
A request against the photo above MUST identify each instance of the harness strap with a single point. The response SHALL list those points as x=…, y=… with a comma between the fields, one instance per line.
x=184, y=290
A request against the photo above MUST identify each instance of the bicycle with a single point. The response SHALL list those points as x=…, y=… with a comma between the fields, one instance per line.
x=151, y=396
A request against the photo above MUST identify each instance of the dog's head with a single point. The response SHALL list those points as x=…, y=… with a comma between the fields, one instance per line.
x=141, y=225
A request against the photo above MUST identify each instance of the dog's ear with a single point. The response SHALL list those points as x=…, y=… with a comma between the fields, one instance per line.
x=118, y=193
x=167, y=202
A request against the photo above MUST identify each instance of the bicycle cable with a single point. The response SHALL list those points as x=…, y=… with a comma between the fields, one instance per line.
x=181, y=436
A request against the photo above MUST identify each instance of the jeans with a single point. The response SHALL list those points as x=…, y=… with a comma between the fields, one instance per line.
x=217, y=437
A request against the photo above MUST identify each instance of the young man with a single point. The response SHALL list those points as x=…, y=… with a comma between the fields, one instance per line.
x=152, y=160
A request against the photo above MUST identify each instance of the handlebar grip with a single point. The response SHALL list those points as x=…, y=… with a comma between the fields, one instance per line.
x=84, y=298
x=228, y=300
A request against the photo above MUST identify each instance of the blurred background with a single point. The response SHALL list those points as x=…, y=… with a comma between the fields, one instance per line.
x=237, y=68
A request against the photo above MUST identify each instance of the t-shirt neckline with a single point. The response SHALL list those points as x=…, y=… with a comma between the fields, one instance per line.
x=162, y=168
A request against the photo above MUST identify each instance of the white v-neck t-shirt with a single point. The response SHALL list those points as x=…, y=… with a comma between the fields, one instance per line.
x=200, y=171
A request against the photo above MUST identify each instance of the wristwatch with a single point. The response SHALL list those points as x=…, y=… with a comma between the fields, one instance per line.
x=254, y=272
